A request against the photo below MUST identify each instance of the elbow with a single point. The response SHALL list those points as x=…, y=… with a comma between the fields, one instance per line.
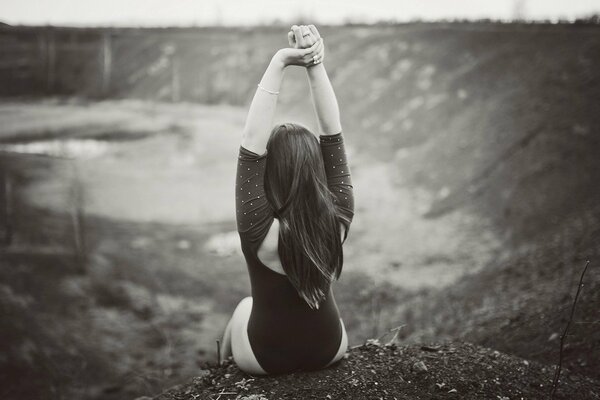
x=331, y=128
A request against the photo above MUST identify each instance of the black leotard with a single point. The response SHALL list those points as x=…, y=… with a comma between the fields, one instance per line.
x=284, y=332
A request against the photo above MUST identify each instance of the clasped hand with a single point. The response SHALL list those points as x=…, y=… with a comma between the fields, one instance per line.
x=306, y=47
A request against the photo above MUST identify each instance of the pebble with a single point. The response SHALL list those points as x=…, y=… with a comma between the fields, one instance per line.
x=420, y=366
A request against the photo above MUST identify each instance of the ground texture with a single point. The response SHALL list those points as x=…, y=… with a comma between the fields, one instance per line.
x=387, y=371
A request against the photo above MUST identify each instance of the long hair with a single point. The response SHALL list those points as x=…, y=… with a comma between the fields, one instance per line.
x=310, y=247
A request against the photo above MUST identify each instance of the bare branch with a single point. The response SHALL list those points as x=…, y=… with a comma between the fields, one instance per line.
x=565, y=333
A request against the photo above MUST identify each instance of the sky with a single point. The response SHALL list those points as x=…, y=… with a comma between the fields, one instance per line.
x=249, y=12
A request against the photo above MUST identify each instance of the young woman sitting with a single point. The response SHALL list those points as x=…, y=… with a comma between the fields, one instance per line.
x=294, y=206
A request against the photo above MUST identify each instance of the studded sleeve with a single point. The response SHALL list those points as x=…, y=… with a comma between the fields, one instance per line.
x=337, y=170
x=253, y=212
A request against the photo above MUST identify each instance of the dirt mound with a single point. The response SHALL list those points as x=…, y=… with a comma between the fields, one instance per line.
x=375, y=371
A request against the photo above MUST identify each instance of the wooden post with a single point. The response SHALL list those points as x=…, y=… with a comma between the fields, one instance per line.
x=7, y=208
x=175, y=79
x=106, y=62
x=51, y=62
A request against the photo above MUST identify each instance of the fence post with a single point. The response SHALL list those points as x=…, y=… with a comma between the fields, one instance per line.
x=106, y=62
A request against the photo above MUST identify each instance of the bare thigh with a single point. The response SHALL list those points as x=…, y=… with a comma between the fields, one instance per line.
x=240, y=343
x=343, y=346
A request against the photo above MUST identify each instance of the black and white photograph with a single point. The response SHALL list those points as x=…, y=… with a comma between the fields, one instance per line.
x=299, y=199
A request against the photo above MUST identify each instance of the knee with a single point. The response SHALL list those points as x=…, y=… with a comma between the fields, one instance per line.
x=245, y=302
x=245, y=305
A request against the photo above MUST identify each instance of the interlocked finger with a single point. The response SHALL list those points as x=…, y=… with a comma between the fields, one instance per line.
x=291, y=39
x=307, y=36
x=305, y=30
x=318, y=53
x=314, y=31
x=300, y=42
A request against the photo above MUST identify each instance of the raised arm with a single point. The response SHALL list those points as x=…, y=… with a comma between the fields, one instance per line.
x=324, y=100
x=262, y=109
x=337, y=170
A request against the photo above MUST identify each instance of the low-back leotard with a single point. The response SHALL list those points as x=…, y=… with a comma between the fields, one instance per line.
x=284, y=332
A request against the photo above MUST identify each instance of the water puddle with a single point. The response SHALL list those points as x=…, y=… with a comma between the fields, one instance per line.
x=65, y=148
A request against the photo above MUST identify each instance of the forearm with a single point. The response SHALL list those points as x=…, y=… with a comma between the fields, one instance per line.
x=262, y=109
x=324, y=100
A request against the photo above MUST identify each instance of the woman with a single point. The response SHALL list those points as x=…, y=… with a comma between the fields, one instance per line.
x=294, y=205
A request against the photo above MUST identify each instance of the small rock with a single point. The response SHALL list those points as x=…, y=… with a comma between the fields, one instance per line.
x=203, y=373
x=419, y=366
x=452, y=391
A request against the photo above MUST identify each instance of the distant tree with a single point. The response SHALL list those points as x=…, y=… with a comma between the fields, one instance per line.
x=353, y=20
x=592, y=19
x=386, y=22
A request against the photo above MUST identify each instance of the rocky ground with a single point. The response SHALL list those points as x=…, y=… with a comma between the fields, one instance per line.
x=453, y=370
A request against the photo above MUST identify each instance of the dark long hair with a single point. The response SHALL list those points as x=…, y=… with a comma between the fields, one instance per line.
x=310, y=247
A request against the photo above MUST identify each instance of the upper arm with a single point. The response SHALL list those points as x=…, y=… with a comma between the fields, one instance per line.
x=253, y=212
x=256, y=143
x=339, y=179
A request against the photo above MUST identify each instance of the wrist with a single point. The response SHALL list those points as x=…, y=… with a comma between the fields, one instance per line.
x=279, y=59
x=315, y=67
